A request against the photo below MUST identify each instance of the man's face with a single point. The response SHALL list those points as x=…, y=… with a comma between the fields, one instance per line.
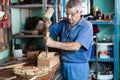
x=73, y=15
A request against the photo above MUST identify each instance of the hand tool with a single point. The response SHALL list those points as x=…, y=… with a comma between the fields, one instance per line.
x=46, y=17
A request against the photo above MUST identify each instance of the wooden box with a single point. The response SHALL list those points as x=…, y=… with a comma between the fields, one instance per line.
x=50, y=61
x=32, y=54
x=2, y=33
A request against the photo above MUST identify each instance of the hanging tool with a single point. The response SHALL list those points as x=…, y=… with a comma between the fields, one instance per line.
x=46, y=17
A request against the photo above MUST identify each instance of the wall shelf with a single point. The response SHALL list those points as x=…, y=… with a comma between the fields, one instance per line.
x=103, y=22
x=22, y=12
x=27, y=36
x=29, y=6
x=102, y=60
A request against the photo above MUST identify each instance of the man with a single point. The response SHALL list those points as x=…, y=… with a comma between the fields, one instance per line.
x=75, y=42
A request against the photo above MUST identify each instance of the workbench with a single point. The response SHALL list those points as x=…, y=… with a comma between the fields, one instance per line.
x=8, y=74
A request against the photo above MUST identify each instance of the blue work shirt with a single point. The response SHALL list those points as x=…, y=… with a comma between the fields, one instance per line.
x=82, y=33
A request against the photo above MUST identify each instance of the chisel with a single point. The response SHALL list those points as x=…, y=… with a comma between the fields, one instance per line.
x=46, y=17
x=47, y=35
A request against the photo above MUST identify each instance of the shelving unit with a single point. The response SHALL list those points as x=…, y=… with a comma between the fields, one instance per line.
x=115, y=59
x=24, y=11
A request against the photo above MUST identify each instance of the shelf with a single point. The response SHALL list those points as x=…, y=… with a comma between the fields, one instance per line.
x=102, y=60
x=102, y=22
x=29, y=6
x=27, y=36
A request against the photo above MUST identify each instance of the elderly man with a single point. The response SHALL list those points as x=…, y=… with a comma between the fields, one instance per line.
x=75, y=42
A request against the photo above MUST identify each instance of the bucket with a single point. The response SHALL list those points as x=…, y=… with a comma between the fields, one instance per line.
x=103, y=77
x=17, y=53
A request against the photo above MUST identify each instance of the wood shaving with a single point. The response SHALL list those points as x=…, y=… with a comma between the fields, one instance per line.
x=30, y=70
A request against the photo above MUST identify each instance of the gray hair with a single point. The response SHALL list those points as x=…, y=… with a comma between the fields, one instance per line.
x=74, y=3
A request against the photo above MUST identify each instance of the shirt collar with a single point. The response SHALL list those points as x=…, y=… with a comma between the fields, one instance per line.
x=81, y=22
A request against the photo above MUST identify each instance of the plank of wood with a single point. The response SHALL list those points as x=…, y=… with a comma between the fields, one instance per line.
x=13, y=66
x=10, y=78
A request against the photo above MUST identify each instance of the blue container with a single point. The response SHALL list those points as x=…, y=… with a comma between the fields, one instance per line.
x=110, y=50
x=93, y=52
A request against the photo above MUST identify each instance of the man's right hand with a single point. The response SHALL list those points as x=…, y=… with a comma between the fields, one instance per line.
x=47, y=24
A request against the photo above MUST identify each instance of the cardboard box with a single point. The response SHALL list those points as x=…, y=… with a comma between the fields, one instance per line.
x=2, y=40
x=50, y=61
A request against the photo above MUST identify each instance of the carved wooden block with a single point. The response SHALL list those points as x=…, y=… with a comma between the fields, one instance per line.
x=50, y=61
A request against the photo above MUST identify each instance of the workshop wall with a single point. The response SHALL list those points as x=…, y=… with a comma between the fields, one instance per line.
x=18, y=19
x=104, y=5
x=105, y=31
x=14, y=1
x=21, y=15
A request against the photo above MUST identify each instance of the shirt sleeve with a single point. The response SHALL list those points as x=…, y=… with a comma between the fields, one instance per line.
x=55, y=29
x=85, y=36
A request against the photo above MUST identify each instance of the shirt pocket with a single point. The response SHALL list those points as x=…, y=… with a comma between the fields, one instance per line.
x=63, y=37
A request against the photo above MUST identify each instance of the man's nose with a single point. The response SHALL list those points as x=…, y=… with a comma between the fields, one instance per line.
x=69, y=16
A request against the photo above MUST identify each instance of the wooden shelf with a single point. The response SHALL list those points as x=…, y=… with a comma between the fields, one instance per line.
x=102, y=22
x=29, y=6
x=27, y=36
x=102, y=60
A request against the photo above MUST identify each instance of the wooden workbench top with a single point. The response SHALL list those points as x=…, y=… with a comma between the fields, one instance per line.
x=8, y=74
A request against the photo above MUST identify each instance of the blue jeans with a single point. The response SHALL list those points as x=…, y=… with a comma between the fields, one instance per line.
x=74, y=71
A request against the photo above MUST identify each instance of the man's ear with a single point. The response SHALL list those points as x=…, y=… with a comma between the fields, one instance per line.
x=80, y=11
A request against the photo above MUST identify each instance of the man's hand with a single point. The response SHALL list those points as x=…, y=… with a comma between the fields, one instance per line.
x=49, y=42
x=43, y=24
x=47, y=24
